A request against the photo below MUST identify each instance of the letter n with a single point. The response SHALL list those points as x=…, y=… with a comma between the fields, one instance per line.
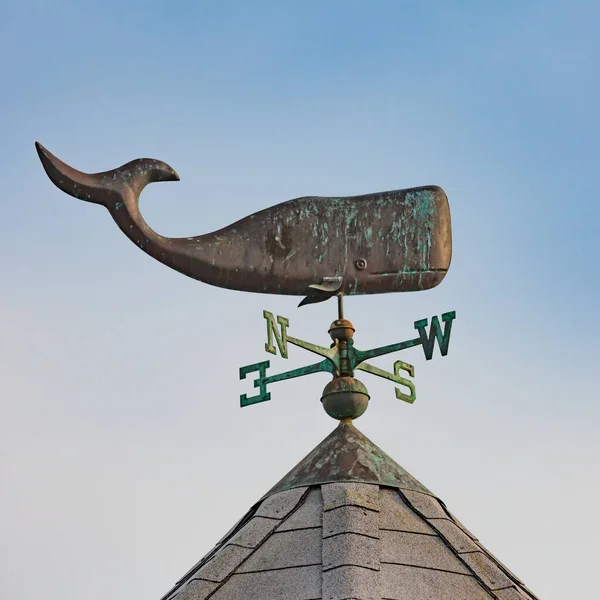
x=279, y=333
x=435, y=333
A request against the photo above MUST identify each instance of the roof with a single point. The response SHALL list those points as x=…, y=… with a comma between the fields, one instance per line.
x=348, y=523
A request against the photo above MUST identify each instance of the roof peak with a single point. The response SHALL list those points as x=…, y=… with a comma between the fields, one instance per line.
x=348, y=522
x=347, y=455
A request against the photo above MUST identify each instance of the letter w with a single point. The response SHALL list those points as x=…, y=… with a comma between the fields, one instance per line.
x=435, y=333
x=280, y=335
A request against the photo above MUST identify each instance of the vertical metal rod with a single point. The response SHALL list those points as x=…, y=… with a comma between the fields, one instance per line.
x=340, y=306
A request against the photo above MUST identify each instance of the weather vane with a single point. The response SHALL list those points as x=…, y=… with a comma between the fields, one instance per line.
x=319, y=248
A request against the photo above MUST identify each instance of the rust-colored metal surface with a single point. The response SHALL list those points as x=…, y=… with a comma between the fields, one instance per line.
x=395, y=241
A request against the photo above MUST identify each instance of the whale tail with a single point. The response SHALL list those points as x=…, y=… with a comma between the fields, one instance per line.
x=109, y=187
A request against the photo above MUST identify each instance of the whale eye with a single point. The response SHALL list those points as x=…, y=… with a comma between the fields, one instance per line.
x=360, y=264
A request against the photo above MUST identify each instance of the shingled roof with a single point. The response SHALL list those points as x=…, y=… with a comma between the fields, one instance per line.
x=348, y=523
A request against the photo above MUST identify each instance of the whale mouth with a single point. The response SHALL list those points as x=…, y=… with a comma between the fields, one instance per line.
x=408, y=272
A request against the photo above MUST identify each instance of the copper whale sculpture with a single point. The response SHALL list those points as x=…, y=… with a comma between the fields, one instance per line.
x=395, y=241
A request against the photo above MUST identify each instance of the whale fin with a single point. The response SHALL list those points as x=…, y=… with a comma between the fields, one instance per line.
x=319, y=292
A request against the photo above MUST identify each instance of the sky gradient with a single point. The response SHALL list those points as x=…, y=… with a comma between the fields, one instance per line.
x=124, y=455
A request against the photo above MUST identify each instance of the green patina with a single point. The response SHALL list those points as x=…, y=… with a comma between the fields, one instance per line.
x=348, y=455
x=341, y=360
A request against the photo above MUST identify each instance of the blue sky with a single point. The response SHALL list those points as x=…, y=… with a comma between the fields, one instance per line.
x=122, y=443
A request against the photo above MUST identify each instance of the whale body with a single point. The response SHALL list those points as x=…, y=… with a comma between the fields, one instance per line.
x=394, y=241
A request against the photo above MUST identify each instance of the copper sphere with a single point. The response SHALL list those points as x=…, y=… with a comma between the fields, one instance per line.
x=345, y=398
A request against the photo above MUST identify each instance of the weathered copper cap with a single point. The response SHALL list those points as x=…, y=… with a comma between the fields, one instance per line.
x=345, y=398
x=341, y=329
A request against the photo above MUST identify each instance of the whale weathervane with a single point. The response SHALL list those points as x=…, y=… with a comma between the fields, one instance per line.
x=395, y=241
